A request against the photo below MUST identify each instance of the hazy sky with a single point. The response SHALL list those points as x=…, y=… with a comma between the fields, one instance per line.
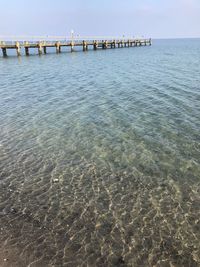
x=151, y=18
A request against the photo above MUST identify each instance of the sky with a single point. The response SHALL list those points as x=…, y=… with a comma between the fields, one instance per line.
x=148, y=18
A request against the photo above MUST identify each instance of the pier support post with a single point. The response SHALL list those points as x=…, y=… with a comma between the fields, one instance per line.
x=85, y=46
x=95, y=45
x=150, y=41
x=58, y=49
x=40, y=48
x=106, y=44
x=17, y=44
x=72, y=46
x=26, y=51
x=26, y=46
x=4, y=51
x=44, y=47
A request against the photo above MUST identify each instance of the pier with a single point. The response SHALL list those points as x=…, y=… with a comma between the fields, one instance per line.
x=85, y=44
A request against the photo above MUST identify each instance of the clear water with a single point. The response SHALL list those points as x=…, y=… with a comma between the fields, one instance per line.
x=100, y=157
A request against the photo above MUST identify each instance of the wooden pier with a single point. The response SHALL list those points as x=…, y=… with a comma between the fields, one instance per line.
x=41, y=46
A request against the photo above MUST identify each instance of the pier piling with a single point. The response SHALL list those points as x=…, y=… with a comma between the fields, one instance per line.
x=105, y=44
x=40, y=48
x=44, y=49
x=72, y=46
x=85, y=46
x=26, y=47
x=58, y=48
x=4, y=51
x=95, y=45
x=17, y=44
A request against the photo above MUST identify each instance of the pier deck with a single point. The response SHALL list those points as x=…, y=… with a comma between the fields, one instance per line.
x=42, y=46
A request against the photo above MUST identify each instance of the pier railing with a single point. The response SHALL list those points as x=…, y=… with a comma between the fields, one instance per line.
x=59, y=42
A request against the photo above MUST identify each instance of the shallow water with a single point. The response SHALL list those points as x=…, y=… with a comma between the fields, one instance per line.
x=100, y=157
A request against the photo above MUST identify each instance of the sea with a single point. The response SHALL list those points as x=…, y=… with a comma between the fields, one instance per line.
x=100, y=157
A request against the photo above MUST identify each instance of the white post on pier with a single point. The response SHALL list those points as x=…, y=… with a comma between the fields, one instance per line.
x=72, y=40
x=123, y=44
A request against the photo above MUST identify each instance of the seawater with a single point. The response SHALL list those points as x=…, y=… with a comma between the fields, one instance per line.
x=100, y=157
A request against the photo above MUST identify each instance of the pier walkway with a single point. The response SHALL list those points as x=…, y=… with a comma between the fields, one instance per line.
x=85, y=44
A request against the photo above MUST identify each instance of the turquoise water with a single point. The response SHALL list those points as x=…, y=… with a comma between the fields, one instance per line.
x=100, y=157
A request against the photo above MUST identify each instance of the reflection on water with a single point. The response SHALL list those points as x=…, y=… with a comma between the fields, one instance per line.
x=100, y=158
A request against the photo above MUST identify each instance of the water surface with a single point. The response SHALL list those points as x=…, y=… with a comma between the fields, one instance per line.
x=100, y=157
